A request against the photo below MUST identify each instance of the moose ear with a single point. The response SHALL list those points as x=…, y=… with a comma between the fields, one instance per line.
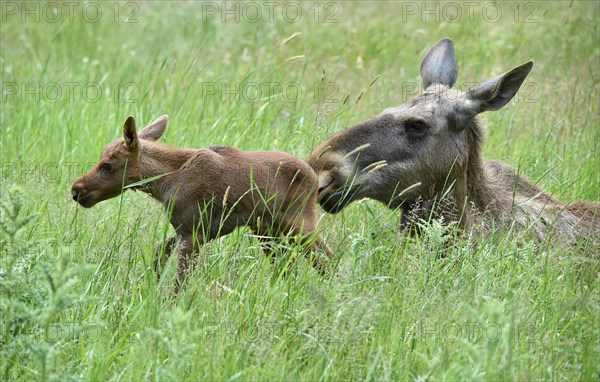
x=155, y=130
x=439, y=65
x=129, y=134
x=493, y=94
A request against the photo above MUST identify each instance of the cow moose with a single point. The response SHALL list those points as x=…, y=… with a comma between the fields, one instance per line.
x=424, y=157
x=209, y=191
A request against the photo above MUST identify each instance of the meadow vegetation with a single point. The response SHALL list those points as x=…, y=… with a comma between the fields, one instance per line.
x=78, y=295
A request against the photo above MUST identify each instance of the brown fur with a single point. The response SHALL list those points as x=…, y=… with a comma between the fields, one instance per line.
x=209, y=191
x=425, y=157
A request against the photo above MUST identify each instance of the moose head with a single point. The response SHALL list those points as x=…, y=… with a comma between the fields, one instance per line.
x=419, y=149
x=118, y=166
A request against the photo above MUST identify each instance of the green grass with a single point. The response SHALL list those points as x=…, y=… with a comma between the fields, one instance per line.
x=80, y=300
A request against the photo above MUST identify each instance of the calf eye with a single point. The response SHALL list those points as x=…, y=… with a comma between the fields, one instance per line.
x=106, y=167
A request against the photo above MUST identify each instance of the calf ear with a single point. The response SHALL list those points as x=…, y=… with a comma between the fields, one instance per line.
x=439, y=65
x=129, y=134
x=495, y=93
x=155, y=130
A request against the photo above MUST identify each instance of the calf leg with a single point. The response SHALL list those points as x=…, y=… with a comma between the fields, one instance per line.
x=315, y=246
x=306, y=234
x=266, y=244
x=270, y=248
x=320, y=247
x=169, y=245
x=187, y=254
x=321, y=253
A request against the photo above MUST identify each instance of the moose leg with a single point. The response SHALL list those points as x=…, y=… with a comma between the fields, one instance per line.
x=266, y=244
x=313, y=243
x=280, y=252
x=187, y=251
x=169, y=245
x=269, y=240
x=321, y=253
x=303, y=226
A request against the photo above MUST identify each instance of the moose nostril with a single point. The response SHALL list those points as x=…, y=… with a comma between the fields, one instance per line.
x=75, y=194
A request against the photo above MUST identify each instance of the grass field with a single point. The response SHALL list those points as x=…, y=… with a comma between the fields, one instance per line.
x=79, y=298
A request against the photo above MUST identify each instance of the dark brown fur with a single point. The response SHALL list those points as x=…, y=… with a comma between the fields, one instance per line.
x=209, y=191
x=425, y=157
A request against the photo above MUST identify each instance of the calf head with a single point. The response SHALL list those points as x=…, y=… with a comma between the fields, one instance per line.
x=118, y=166
x=414, y=149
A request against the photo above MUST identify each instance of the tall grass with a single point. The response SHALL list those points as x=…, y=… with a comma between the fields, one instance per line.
x=80, y=300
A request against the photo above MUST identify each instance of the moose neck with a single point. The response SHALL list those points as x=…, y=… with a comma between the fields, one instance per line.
x=471, y=186
x=158, y=159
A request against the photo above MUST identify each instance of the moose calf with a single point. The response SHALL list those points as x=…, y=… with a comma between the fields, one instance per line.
x=415, y=155
x=209, y=191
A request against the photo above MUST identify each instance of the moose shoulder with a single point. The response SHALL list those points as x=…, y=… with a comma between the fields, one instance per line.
x=424, y=157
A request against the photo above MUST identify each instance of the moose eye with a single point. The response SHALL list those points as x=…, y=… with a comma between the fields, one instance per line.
x=416, y=126
x=106, y=167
